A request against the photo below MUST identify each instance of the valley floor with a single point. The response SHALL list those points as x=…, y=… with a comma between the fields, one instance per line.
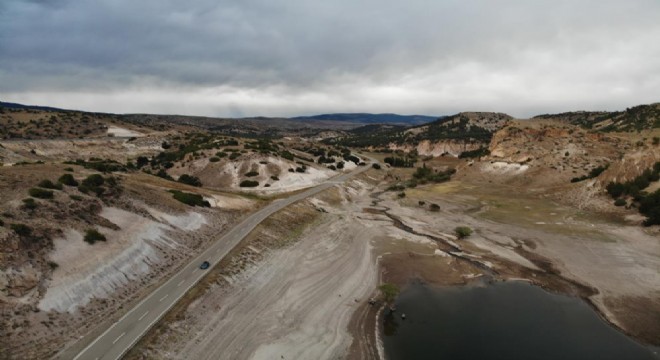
x=306, y=295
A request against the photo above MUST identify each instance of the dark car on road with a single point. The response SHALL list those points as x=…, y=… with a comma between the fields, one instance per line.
x=205, y=265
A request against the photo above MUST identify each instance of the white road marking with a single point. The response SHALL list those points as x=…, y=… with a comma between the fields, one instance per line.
x=180, y=282
x=119, y=337
x=163, y=298
x=143, y=315
x=194, y=271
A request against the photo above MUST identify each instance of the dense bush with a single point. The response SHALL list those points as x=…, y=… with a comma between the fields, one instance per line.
x=620, y=202
x=29, y=204
x=274, y=178
x=47, y=184
x=376, y=166
x=650, y=207
x=93, y=180
x=252, y=173
x=434, y=207
x=68, y=180
x=40, y=193
x=221, y=154
x=214, y=159
x=92, y=236
x=234, y=156
x=21, y=230
x=190, y=199
x=249, y=183
x=190, y=180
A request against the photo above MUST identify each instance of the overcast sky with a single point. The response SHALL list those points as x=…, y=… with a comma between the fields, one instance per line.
x=298, y=57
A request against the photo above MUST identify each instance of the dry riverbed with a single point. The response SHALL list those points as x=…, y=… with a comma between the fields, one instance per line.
x=299, y=285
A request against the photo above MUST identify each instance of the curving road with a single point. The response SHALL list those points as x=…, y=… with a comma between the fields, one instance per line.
x=124, y=333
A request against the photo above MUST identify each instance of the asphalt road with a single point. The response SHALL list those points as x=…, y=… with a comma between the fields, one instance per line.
x=123, y=334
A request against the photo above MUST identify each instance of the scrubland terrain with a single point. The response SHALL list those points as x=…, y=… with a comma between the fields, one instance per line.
x=567, y=202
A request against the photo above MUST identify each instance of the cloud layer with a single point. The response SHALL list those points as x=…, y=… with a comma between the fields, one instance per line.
x=292, y=57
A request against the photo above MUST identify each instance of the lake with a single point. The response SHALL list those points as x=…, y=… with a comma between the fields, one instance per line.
x=504, y=320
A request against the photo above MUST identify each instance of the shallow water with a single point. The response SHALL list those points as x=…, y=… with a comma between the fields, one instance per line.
x=510, y=320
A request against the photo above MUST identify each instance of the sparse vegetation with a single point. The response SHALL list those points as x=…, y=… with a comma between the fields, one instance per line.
x=592, y=174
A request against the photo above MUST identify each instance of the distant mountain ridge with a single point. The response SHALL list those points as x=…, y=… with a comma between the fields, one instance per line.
x=368, y=118
x=11, y=105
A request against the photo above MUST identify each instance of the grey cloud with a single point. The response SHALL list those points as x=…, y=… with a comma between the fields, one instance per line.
x=440, y=56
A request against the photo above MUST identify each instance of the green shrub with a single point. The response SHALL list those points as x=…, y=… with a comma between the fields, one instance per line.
x=92, y=183
x=214, y=159
x=40, y=193
x=221, y=154
x=274, y=178
x=376, y=166
x=93, y=180
x=68, y=169
x=234, y=156
x=463, y=232
x=92, y=236
x=190, y=180
x=251, y=173
x=435, y=207
x=401, y=194
x=620, y=202
x=249, y=183
x=68, y=180
x=47, y=184
x=190, y=199
x=76, y=197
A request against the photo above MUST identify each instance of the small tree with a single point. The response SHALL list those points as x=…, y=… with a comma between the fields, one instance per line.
x=389, y=292
x=435, y=207
x=463, y=232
